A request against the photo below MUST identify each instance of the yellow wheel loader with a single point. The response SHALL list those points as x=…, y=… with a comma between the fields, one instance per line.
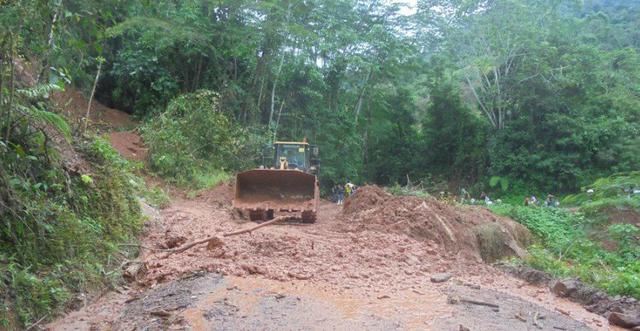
x=286, y=182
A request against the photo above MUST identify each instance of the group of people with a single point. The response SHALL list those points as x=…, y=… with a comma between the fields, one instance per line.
x=550, y=201
x=465, y=197
x=340, y=192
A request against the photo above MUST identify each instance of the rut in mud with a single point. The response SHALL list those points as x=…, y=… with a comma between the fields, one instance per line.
x=356, y=268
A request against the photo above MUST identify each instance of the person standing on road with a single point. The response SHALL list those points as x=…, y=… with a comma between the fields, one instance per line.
x=347, y=189
x=340, y=190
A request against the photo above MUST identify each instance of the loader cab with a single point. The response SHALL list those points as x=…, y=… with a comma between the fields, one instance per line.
x=298, y=155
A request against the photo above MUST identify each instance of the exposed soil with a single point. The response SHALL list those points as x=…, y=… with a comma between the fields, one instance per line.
x=74, y=104
x=346, y=271
x=129, y=144
x=461, y=232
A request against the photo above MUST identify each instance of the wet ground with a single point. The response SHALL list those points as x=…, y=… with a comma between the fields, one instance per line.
x=313, y=277
x=206, y=301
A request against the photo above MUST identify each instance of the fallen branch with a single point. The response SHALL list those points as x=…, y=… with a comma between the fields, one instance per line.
x=480, y=303
x=563, y=312
x=273, y=221
x=145, y=247
x=186, y=247
x=218, y=242
x=36, y=323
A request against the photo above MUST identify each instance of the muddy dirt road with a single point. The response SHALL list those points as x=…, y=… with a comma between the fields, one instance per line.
x=313, y=276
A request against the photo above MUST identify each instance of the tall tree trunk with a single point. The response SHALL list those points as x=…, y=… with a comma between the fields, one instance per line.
x=12, y=84
x=275, y=131
x=273, y=88
x=275, y=80
x=50, y=45
x=361, y=96
x=93, y=91
x=196, y=80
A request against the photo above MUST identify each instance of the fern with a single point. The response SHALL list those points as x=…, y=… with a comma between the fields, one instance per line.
x=55, y=120
x=169, y=31
x=46, y=117
x=38, y=91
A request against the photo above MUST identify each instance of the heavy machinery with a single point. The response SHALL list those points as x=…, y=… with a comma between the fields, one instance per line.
x=285, y=182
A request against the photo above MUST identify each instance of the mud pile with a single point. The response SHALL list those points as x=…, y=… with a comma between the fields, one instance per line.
x=468, y=232
x=129, y=145
x=221, y=195
x=73, y=104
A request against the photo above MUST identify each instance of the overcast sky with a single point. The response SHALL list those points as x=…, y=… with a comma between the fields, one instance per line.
x=409, y=9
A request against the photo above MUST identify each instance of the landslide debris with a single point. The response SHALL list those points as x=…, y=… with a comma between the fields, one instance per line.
x=470, y=232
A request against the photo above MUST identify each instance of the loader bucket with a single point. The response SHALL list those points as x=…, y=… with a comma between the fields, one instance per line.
x=274, y=189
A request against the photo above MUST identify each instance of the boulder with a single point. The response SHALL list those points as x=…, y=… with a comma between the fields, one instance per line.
x=441, y=278
x=564, y=287
x=624, y=320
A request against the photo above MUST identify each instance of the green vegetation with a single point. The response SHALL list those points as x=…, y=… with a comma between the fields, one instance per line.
x=541, y=94
x=610, y=198
x=65, y=203
x=509, y=97
x=194, y=143
x=60, y=230
x=156, y=197
x=566, y=247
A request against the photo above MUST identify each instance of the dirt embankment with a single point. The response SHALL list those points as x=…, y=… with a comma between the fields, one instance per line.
x=74, y=103
x=118, y=124
x=466, y=232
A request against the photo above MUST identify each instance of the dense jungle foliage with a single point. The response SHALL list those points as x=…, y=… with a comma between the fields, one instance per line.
x=543, y=93
x=509, y=96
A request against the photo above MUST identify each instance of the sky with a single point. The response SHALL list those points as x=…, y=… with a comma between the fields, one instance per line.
x=410, y=8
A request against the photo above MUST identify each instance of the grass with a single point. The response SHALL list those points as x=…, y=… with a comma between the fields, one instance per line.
x=207, y=179
x=564, y=248
x=413, y=190
x=156, y=197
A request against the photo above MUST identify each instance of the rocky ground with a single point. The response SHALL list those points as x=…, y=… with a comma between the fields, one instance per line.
x=347, y=271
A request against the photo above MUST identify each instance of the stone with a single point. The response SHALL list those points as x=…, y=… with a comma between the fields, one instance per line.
x=441, y=277
x=564, y=287
x=134, y=271
x=624, y=320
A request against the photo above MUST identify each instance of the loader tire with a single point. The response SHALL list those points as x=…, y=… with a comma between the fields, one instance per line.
x=256, y=215
x=308, y=216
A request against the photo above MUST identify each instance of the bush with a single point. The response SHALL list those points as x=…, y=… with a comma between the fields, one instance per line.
x=565, y=249
x=60, y=230
x=193, y=138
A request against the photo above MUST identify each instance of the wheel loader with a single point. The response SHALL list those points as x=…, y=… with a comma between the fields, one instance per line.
x=286, y=182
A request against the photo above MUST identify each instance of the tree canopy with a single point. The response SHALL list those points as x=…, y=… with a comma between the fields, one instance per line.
x=546, y=93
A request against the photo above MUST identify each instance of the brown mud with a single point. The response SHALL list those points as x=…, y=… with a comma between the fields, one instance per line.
x=129, y=144
x=74, y=106
x=335, y=274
